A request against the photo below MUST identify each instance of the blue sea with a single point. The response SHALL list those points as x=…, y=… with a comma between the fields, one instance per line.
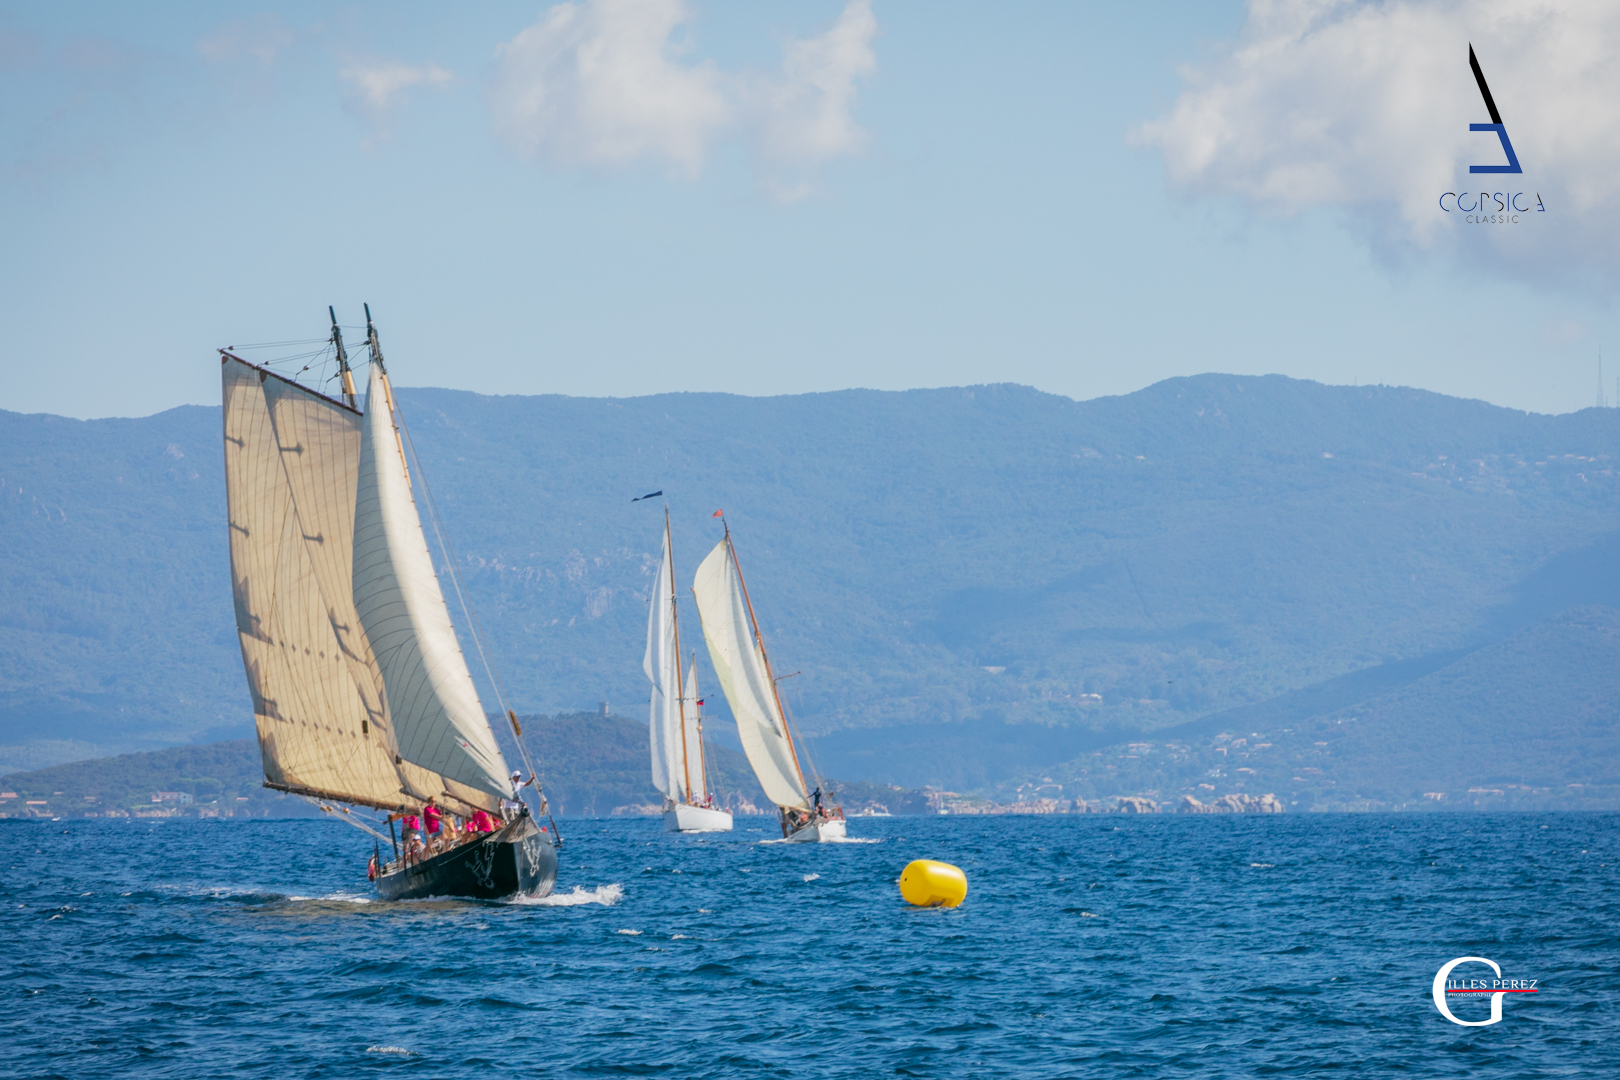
x=1089, y=946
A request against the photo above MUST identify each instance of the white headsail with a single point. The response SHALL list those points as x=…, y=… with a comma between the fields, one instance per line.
x=438, y=720
x=660, y=663
x=745, y=678
x=694, y=735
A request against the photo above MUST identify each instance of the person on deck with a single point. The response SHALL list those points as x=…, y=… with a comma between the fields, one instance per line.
x=413, y=829
x=411, y=841
x=432, y=817
x=510, y=807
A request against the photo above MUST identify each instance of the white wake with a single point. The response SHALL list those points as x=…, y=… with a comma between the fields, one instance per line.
x=607, y=895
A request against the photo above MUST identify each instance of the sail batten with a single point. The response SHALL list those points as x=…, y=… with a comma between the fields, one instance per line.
x=439, y=723
x=291, y=464
x=745, y=678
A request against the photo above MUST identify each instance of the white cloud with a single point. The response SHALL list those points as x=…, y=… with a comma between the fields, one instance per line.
x=1366, y=107
x=805, y=114
x=378, y=86
x=603, y=83
x=597, y=84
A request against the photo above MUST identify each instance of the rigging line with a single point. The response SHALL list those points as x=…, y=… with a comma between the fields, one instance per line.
x=455, y=576
x=293, y=358
x=281, y=344
x=287, y=361
x=467, y=607
x=343, y=816
x=451, y=562
x=759, y=638
x=321, y=347
x=809, y=750
x=694, y=698
x=402, y=429
x=398, y=417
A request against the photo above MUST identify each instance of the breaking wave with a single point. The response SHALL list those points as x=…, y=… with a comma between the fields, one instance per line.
x=606, y=895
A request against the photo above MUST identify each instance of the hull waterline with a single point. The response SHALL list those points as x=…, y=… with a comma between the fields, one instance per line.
x=684, y=817
x=518, y=859
x=818, y=831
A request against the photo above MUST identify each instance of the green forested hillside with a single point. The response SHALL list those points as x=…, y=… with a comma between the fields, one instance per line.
x=1528, y=722
x=975, y=582
x=995, y=554
x=593, y=764
x=224, y=778
x=590, y=765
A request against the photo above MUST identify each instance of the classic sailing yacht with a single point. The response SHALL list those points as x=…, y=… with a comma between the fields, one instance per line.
x=675, y=730
x=738, y=652
x=361, y=695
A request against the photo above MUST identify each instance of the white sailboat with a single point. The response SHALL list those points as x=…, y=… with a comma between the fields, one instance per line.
x=738, y=652
x=675, y=728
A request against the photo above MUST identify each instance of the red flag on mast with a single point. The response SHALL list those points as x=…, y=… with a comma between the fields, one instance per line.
x=718, y=513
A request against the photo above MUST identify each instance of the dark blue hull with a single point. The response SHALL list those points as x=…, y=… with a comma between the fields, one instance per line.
x=517, y=859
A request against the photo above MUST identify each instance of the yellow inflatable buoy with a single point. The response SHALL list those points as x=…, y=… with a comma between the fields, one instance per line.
x=926, y=883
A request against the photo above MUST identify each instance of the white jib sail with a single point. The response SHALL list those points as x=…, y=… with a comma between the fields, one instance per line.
x=694, y=737
x=438, y=720
x=660, y=663
x=741, y=668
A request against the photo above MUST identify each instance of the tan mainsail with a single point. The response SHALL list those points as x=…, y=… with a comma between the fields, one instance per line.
x=291, y=464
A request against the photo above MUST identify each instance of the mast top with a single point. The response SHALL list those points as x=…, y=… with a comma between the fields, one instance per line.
x=344, y=371
x=371, y=341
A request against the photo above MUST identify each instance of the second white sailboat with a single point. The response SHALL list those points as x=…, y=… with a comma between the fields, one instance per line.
x=738, y=653
x=675, y=730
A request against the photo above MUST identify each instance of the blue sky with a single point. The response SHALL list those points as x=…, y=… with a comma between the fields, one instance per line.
x=783, y=198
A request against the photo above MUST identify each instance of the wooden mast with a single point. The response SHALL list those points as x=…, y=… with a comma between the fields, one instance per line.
x=680, y=689
x=343, y=357
x=760, y=638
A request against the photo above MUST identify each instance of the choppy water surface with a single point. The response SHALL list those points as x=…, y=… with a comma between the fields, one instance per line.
x=1108, y=946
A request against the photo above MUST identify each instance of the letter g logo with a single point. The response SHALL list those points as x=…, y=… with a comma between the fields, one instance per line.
x=1440, y=993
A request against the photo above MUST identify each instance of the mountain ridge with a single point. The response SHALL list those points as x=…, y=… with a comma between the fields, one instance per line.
x=990, y=558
